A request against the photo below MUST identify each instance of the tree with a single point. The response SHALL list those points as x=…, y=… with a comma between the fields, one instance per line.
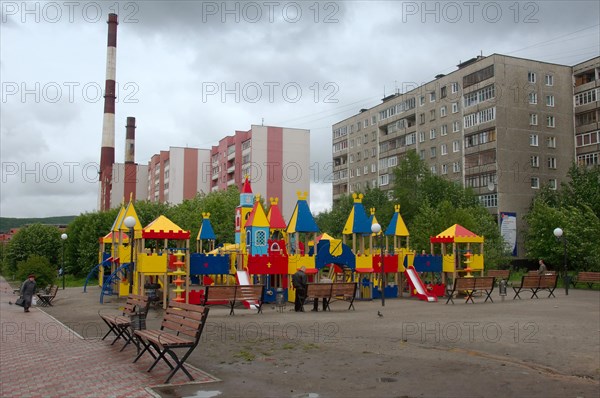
x=44, y=272
x=410, y=171
x=38, y=239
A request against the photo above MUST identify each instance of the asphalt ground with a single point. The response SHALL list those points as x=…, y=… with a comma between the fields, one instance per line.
x=546, y=347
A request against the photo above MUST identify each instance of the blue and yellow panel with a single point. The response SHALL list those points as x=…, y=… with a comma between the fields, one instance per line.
x=209, y=264
x=448, y=263
x=152, y=263
x=296, y=261
x=476, y=262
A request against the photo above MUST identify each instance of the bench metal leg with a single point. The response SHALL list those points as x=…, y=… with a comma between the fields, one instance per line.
x=489, y=296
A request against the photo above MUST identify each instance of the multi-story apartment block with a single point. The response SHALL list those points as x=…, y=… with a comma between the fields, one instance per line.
x=277, y=159
x=128, y=179
x=498, y=124
x=178, y=174
x=586, y=79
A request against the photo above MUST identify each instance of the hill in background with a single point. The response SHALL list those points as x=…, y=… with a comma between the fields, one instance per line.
x=7, y=223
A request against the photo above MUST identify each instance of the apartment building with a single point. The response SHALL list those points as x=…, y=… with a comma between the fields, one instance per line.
x=128, y=180
x=498, y=124
x=586, y=82
x=277, y=159
x=178, y=174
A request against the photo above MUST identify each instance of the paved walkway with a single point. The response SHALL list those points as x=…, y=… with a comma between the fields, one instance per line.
x=41, y=357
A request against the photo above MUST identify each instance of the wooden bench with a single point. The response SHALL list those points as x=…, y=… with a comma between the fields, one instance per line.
x=47, y=296
x=535, y=283
x=499, y=274
x=181, y=328
x=534, y=272
x=472, y=285
x=588, y=277
x=328, y=291
x=135, y=309
x=232, y=294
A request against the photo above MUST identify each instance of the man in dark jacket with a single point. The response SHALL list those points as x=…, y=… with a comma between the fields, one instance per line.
x=300, y=282
x=27, y=291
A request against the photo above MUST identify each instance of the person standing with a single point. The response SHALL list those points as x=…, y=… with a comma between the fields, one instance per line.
x=300, y=282
x=542, y=269
x=27, y=291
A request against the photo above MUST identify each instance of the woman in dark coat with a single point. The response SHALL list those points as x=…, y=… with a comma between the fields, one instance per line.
x=27, y=291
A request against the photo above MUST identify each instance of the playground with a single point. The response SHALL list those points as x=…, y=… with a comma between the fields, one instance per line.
x=411, y=344
x=157, y=260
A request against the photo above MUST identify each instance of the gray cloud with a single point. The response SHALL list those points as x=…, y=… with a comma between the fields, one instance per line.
x=170, y=53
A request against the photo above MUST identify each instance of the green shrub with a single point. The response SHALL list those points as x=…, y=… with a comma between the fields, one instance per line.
x=44, y=272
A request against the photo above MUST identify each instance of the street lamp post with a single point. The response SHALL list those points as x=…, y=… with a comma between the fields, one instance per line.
x=130, y=223
x=64, y=238
x=376, y=229
x=558, y=232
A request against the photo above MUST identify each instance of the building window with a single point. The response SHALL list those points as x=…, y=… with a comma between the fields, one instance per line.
x=456, y=146
x=552, y=163
x=549, y=80
x=432, y=151
x=422, y=118
x=432, y=96
x=444, y=169
x=365, y=123
x=443, y=149
x=531, y=77
x=586, y=118
x=550, y=121
x=432, y=134
x=456, y=126
x=432, y=115
x=533, y=140
x=456, y=167
x=373, y=120
x=433, y=169
x=422, y=100
x=533, y=98
x=443, y=92
x=549, y=100
x=384, y=180
x=421, y=136
x=443, y=111
x=586, y=97
x=454, y=87
x=589, y=159
x=535, y=161
x=422, y=154
x=533, y=119
x=373, y=167
x=366, y=169
x=535, y=182
x=489, y=200
x=551, y=142
x=552, y=183
x=454, y=107
x=444, y=129
x=586, y=139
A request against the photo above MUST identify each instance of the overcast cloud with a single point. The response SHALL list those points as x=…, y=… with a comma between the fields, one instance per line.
x=343, y=56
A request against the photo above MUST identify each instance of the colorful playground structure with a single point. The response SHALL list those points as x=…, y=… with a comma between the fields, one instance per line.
x=268, y=251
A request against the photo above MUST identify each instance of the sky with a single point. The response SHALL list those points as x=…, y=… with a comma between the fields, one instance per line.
x=192, y=72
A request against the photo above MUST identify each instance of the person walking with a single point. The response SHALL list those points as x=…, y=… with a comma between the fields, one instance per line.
x=542, y=269
x=27, y=291
x=300, y=282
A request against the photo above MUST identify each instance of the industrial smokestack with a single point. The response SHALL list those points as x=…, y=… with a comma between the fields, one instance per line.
x=107, y=152
x=130, y=140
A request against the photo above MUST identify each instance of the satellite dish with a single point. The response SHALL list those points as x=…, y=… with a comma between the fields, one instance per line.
x=491, y=186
